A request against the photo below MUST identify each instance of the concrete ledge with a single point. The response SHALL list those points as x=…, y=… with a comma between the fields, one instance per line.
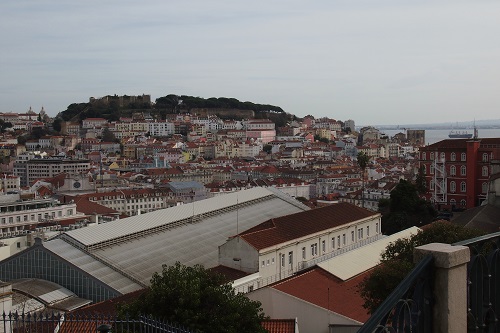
x=445, y=255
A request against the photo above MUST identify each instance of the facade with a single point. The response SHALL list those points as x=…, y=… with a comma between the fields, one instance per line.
x=457, y=171
x=31, y=169
x=283, y=246
x=17, y=215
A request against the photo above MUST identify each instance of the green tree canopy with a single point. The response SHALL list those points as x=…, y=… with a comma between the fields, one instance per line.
x=197, y=299
x=406, y=209
x=397, y=260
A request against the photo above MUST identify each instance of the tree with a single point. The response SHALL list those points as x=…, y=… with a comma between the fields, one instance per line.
x=107, y=135
x=406, y=209
x=267, y=148
x=197, y=299
x=420, y=182
x=363, y=162
x=397, y=260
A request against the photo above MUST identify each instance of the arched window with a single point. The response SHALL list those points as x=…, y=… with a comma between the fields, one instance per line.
x=453, y=170
x=453, y=156
x=463, y=170
x=463, y=202
x=442, y=156
x=431, y=185
x=432, y=155
x=424, y=155
x=453, y=202
x=463, y=187
x=485, y=187
x=432, y=169
x=485, y=171
x=485, y=157
x=453, y=187
x=463, y=157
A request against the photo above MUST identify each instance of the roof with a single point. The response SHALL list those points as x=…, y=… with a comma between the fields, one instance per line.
x=279, y=325
x=321, y=288
x=124, y=254
x=357, y=261
x=287, y=228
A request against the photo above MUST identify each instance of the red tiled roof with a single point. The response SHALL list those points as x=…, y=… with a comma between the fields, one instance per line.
x=279, y=325
x=286, y=228
x=229, y=273
x=323, y=289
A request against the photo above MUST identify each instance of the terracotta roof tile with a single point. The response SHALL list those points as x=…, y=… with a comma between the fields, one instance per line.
x=323, y=289
x=279, y=325
x=289, y=227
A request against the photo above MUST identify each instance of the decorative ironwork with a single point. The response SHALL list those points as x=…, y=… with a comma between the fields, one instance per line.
x=483, y=283
x=409, y=307
x=82, y=323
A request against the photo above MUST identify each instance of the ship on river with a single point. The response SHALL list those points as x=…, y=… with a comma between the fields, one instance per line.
x=460, y=135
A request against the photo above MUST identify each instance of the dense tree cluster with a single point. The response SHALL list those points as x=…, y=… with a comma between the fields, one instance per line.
x=405, y=209
x=397, y=260
x=198, y=299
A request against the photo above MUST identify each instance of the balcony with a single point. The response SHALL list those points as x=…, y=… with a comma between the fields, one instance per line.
x=453, y=288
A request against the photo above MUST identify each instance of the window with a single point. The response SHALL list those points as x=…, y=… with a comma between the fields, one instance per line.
x=432, y=169
x=360, y=233
x=343, y=239
x=250, y=288
x=338, y=241
x=485, y=171
x=463, y=170
x=485, y=157
x=485, y=187
x=314, y=249
x=333, y=243
x=290, y=258
x=272, y=260
x=453, y=202
x=263, y=264
x=352, y=236
x=282, y=260
x=424, y=155
x=367, y=231
x=304, y=253
x=376, y=227
x=453, y=170
x=463, y=187
x=453, y=157
x=18, y=245
x=431, y=184
x=463, y=202
x=267, y=262
x=442, y=156
x=323, y=246
x=453, y=187
x=432, y=155
x=463, y=157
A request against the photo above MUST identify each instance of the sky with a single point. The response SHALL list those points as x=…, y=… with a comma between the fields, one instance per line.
x=373, y=61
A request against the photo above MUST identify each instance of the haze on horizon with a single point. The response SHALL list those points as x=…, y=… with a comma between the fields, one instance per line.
x=377, y=62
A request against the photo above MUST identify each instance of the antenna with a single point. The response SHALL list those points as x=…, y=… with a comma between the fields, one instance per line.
x=237, y=215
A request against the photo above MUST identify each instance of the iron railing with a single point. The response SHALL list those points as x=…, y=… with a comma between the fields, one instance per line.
x=409, y=307
x=483, y=283
x=83, y=323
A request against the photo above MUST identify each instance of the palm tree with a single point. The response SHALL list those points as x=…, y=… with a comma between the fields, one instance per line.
x=363, y=162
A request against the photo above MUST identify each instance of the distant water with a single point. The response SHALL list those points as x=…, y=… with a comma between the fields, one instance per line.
x=435, y=135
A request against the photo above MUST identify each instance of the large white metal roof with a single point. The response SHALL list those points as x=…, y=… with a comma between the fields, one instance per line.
x=125, y=263
x=152, y=221
x=357, y=261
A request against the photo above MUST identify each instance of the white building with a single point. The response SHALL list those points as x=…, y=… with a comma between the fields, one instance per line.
x=283, y=246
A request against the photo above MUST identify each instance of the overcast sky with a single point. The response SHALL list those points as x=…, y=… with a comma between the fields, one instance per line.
x=374, y=61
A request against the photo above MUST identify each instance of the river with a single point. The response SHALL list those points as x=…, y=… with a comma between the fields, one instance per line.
x=435, y=135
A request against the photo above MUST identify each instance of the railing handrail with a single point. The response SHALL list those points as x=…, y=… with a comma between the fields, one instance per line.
x=477, y=239
x=391, y=301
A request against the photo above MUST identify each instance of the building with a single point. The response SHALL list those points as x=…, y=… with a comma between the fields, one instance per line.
x=107, y=260
x=457, y=171
x=31, y=167
x=416, y=137
x=283, y=246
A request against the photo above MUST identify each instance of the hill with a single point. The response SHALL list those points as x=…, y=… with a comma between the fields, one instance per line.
x=114, y=107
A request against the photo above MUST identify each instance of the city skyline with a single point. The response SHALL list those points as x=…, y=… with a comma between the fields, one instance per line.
x=383, y=63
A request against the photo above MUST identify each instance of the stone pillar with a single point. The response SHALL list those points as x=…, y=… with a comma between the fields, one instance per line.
x=450, y=285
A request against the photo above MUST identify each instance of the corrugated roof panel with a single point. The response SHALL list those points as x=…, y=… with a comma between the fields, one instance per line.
x=130, y=225
x=192, y=243
x=91, y=266
x=357, y=261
